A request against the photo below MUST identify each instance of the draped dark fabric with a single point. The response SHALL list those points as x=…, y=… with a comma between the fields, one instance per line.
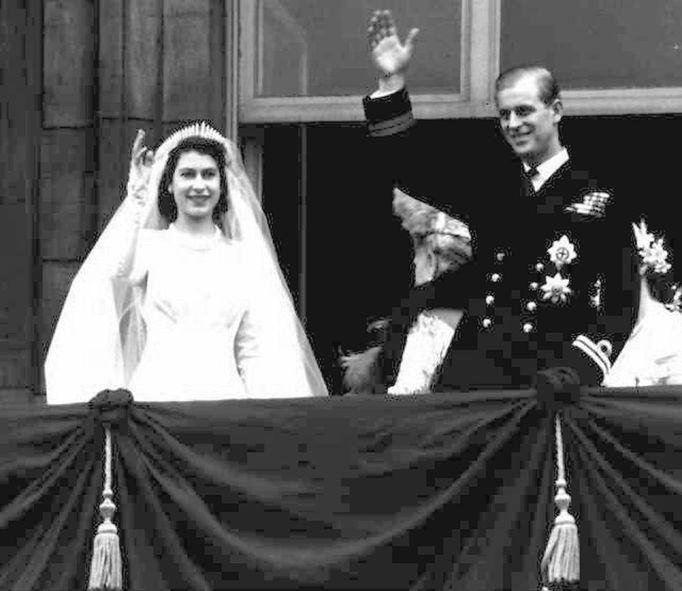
x=430, y=492
x=50, y=482
x=625, y=457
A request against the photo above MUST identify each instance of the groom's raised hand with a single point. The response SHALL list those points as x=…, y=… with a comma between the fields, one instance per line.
x=390, y=56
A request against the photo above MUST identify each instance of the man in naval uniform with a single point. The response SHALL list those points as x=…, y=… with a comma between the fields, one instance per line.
x=543, y=296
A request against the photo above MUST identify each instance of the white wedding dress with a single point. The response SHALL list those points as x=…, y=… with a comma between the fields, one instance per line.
x=204, y=337
x=172, y=316
x=652, y=355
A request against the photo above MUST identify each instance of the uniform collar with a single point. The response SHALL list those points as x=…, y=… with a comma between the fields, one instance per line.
x=547, y=168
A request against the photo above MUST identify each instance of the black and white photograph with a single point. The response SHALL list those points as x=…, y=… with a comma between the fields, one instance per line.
x=340, y=295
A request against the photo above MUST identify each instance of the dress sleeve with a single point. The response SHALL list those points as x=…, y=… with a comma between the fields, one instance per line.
x=268, y=357
x=249, y=353
x=145, y=249
x=136, y=248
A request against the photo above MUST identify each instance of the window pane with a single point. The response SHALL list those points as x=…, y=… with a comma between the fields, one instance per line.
x=319, y=47
x=596, y=43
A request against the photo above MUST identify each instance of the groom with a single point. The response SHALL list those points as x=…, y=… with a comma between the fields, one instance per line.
x=543, y=296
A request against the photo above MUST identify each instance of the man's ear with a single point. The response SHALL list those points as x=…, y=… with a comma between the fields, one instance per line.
x=558, y=109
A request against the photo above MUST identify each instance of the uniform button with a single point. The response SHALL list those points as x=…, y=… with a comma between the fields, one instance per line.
x=487, y=323
x=605, y=347
x=490, y=299
x=539, y=267
x=495, y=277
x=527, y=327
x=531, y=306
x=500, y=256
x=533, y=285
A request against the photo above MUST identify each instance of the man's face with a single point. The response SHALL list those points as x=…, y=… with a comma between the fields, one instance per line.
x=528, y=124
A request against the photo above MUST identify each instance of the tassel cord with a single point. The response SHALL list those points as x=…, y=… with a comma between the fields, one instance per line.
x=106, y=565
x=560, y=467
x=107, y=462
x=561, y=560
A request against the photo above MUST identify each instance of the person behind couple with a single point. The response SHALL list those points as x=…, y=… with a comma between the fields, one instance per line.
x=543, y=294
x=441, y=245
x=184, y=288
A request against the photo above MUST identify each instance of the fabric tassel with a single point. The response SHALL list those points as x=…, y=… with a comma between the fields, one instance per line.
x=561, y=561
x=105, y=567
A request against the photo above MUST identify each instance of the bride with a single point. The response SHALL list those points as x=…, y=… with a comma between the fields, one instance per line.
x=182, y=297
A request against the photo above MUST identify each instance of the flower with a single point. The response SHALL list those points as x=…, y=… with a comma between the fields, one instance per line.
x=556, y=289
x=562, y=252
x=655, y=257
x=651, y=251
x=643, y=238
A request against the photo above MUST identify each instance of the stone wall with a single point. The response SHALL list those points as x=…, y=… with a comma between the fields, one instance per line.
x=84, y=76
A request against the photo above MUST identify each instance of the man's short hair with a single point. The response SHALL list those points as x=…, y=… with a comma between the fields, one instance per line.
x=548, y=87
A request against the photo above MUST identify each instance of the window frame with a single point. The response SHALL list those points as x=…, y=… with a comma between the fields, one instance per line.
x=480, y=63
x=471, y=101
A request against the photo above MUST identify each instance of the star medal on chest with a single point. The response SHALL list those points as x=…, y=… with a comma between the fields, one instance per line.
x=557, y=288
x=562, y=252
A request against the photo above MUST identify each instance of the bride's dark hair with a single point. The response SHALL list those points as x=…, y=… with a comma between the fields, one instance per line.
x=167, y=207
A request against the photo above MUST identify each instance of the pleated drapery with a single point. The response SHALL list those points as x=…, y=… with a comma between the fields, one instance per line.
x=446, y=491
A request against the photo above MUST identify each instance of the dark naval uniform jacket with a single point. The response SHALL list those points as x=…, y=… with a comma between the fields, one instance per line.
x=546, y=286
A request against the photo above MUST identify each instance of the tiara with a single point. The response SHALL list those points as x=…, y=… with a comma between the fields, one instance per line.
x=200, y=129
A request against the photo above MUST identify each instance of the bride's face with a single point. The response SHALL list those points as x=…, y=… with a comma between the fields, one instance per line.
x=195, y=185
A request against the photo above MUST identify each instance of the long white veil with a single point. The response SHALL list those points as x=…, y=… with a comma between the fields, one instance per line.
x=100, y=334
